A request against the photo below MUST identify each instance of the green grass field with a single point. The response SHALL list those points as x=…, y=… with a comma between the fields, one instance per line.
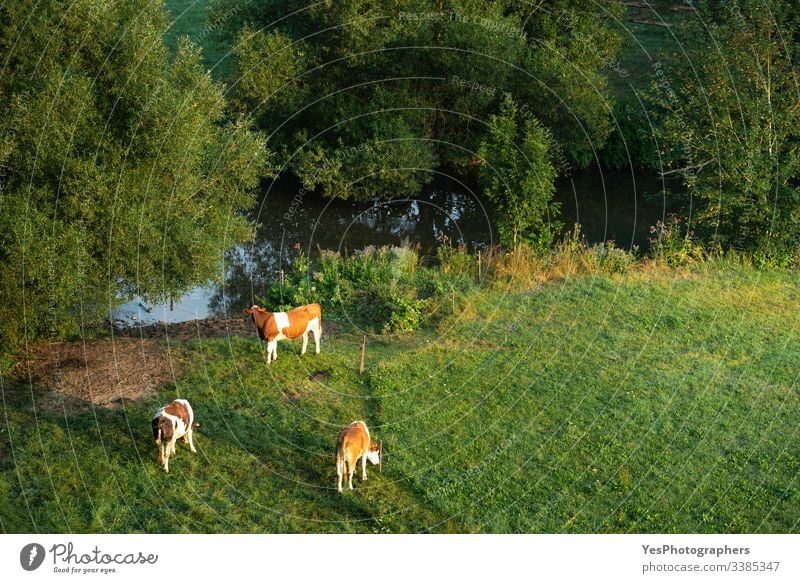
x=645, y=403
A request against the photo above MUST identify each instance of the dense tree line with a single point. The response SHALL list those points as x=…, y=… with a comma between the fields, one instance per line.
x=365, y=99
x=121, y=172
x=125, y=168
x=728, y=122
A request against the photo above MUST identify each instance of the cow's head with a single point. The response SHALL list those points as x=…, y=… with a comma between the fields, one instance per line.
x=374, y=454
x=253, y=309
x=163, y=430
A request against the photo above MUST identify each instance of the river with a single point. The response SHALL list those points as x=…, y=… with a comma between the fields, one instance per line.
x=618, y=206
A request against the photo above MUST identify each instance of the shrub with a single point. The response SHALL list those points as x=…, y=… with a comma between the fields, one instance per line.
x=672, y=246
x=384, y=288
x=612, y=259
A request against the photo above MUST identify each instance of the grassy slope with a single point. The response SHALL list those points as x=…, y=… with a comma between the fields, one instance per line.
x=597, y=405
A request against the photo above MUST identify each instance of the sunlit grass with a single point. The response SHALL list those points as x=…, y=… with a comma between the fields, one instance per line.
x=601, y=403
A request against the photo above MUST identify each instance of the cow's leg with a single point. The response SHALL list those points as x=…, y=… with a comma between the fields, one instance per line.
x=272, y=348
x=165, y=457
x=340, y=472
x=364, y=467
x=351, y=470
x=317, y=334
x=305, y=342
x=191, y=442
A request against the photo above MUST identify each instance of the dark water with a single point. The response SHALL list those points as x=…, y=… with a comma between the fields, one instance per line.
x=614, y=206
x=617, y=206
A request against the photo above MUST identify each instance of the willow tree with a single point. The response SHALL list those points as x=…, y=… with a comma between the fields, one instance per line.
x=121, y=172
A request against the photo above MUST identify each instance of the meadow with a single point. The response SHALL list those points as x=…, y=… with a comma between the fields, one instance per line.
x=660, y=400
x=583, y=390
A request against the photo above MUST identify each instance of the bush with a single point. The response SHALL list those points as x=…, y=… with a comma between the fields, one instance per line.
x=672, y=246
x=384, y=289
x=612, y=259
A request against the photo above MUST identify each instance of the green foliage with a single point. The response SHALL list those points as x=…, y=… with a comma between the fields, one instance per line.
x=376, y=288
x=518, y=177
x=733, y=121
x=673, y=244
x=365, y=98
x=632, y=143
x=122, y=173
x=382, y=289
x=612, y=259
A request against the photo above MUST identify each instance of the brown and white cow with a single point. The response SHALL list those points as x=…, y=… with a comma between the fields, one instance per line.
x=274, y=326
x=354, y=442
x=170, y=423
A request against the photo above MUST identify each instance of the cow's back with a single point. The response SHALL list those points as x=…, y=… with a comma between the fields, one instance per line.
x=179, y=410
x=353, y=440
x=299, y=319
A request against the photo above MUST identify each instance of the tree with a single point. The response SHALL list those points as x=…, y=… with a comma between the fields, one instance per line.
x=367, y=98
x=121, y=172
x=730, y=126
x=517, y=176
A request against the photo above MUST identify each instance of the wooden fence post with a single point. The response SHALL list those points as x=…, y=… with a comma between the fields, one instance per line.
x=363, y=350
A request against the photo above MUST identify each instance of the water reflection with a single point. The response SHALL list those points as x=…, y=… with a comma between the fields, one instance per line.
x=612, y=206
x=288, y=215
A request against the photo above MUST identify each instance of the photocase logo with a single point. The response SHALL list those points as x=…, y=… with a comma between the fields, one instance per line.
x=31, y=556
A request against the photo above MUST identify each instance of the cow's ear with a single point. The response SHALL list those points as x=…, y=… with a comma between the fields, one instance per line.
x=247, y=311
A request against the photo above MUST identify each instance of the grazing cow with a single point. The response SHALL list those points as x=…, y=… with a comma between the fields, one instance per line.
x=354, y=442
x=274, y=326
x=170, y=423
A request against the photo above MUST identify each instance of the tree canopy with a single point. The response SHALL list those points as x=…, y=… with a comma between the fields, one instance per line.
x=730, y=125
x=517, y=176
x=121, y=172
x=367, y=98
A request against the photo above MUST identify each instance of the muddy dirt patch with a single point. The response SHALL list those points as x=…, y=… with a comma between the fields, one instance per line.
x=192, y=329
x=102, y=372
x=319, y=376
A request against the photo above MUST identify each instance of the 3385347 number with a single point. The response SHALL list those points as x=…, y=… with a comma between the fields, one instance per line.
x=749, y=566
